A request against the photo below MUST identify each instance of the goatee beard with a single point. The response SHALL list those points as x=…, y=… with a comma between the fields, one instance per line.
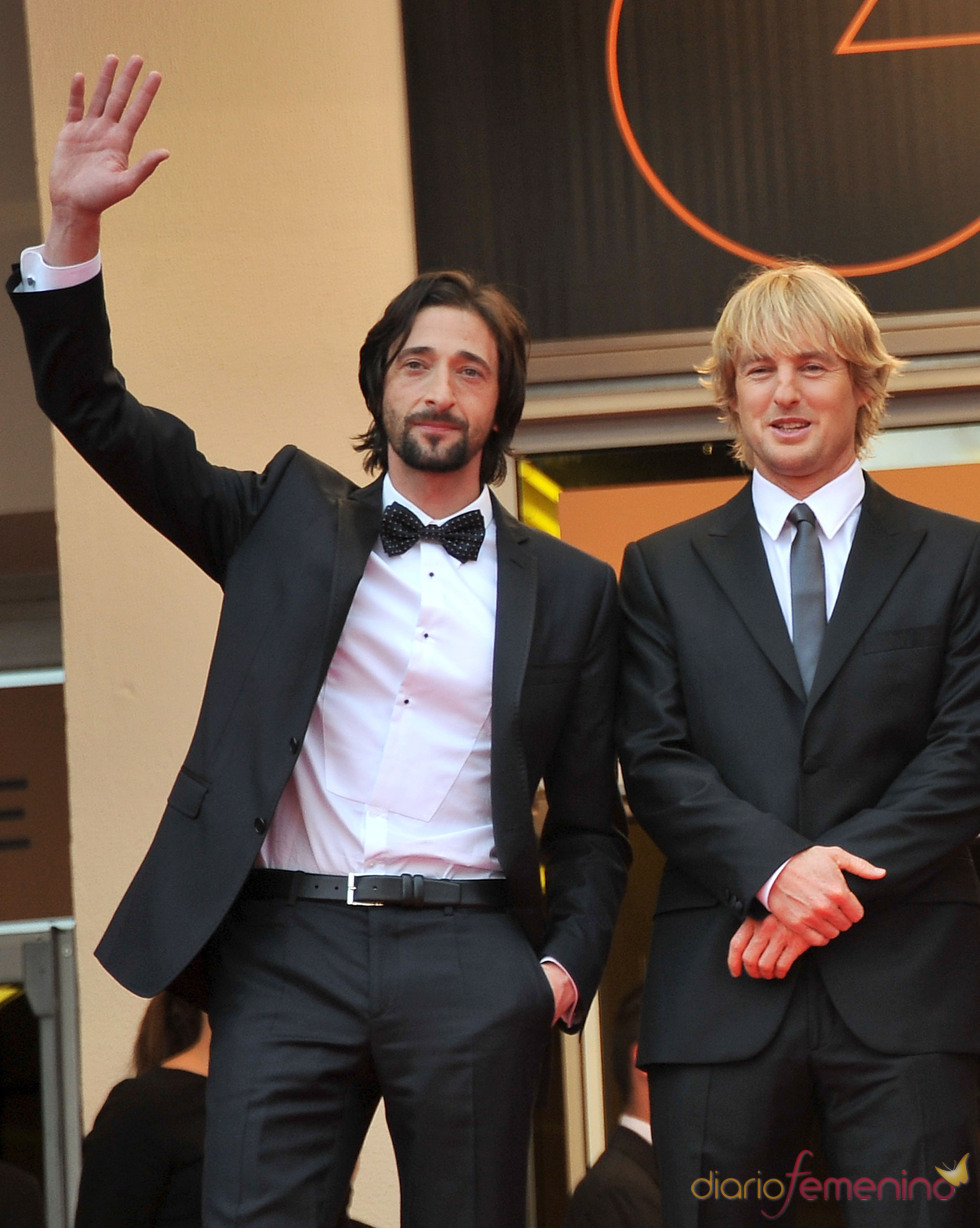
x=412, y=448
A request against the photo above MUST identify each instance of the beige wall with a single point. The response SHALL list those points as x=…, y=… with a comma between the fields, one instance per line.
x=241, y=281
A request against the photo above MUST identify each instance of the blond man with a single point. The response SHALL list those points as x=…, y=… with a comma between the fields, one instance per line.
x=800, y=733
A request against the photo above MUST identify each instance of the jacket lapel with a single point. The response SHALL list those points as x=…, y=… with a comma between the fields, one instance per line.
x=731, y=548
x=883, y=546
x=517, y=592
x=517, y=588
x=358, y=519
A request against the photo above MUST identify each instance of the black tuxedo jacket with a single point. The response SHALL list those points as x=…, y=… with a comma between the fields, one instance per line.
x=288, y=546
x=622, y=1188
x=733, y=769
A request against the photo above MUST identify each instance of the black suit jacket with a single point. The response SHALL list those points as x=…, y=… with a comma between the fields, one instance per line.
x=288, y=546
x=622, y=1188
x=21, y=1201
x=733, y=769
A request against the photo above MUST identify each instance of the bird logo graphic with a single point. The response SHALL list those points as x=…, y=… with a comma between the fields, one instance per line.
x=958, y=1175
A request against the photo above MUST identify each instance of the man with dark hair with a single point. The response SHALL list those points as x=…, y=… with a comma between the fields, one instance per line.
x=396, y=668
x=388, y=336
x=622, y=1188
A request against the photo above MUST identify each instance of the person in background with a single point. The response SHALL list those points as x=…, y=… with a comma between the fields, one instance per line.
x=622, y=1188
x=143, y=1160
x=21, y=1201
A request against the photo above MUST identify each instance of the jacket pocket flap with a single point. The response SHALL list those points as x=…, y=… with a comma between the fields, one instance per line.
x=902, y=637
x=187, y=794
x=679, y=892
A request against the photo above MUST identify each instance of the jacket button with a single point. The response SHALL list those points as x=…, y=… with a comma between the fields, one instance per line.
x=810, y=765
x=260, y=825
x=294, y=745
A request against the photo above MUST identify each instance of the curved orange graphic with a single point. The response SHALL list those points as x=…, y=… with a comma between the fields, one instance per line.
x=697, y=224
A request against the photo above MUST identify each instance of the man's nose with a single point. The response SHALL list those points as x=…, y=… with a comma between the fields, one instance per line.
x=787, y=391
x=439, y=390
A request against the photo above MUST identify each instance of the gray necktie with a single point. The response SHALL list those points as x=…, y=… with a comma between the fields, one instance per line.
x=808, y=593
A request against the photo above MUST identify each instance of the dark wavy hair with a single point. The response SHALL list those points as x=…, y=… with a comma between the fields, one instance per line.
x=449, y=288
x=169, y=1026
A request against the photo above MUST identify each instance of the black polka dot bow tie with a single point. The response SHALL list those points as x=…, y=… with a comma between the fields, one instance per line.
x=462, y=536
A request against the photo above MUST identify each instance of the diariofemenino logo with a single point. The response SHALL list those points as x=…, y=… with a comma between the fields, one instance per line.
x=774, y=1195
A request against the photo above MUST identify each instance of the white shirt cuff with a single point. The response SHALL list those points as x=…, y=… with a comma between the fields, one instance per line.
x=762, y=895
x=569, y=1015
x=36, y=275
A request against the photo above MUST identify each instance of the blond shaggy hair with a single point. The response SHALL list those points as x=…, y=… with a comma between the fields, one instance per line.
x=792, y=309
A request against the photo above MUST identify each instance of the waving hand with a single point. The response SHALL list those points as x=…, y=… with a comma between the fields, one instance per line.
x=91, y=169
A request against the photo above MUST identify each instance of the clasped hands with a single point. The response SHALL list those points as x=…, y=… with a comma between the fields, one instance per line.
x=810, y=903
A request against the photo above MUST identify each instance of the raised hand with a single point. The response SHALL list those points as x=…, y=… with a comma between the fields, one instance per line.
x=90, y=170
x=811, y=896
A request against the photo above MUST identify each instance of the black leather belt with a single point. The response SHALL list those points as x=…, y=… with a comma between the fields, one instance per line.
x=400, y=890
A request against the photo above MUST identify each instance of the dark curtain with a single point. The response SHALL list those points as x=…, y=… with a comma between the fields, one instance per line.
x=742, y=110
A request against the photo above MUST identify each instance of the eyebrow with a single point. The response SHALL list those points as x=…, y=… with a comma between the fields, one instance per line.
x=466, y=355
x=748, y=359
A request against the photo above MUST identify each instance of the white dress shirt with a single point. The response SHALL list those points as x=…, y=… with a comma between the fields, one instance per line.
x=394, y=773
x=638, y=1126
x=837, y=509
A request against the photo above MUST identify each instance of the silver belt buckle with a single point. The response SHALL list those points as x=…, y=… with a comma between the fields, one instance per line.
x=351, y=885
